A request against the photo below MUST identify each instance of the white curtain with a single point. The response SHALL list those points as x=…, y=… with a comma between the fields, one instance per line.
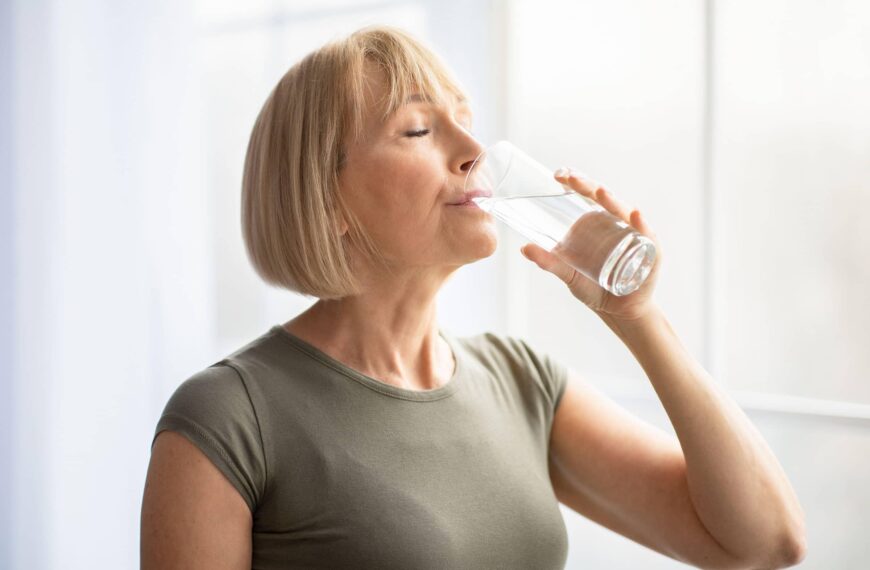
x=110, y=269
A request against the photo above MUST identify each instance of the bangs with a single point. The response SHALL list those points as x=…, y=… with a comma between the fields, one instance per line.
x=409, y=68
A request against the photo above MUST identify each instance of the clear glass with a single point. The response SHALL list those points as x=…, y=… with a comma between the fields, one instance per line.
x=521, y=192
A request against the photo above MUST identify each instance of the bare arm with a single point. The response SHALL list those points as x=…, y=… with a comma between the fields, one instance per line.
x=737, y=487
x=192, y=517
x=717, y=497
x=628, y=476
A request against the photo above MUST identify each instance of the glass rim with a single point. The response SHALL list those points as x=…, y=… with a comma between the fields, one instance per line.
x=487, y=149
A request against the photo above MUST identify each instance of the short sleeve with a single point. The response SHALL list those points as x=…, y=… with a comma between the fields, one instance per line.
x=553, y=373
x=212, y=409
x=540, y=379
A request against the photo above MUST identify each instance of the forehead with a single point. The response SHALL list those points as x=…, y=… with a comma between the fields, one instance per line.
x=388, y=95
x=459, y=102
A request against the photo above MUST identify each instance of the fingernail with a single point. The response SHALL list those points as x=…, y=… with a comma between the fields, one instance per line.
x=578, y=174
x=563, y=172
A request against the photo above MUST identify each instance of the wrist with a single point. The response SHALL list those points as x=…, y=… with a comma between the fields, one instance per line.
x=642, y=320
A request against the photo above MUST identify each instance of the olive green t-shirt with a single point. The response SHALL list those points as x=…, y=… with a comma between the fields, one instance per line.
x=341, y=470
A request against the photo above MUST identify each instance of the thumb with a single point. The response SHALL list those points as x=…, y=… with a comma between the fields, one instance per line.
x=549, y=262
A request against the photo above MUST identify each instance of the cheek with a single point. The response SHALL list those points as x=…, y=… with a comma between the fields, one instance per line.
x=402, y=194
x=405, y=224
x=399, y=198
x=402, y=223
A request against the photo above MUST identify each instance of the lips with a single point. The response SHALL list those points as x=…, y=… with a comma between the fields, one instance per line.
x=467, y=196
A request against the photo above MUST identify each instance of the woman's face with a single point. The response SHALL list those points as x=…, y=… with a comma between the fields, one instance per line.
x=403, y=176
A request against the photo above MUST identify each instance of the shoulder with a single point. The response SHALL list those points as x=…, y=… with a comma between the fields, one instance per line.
x=217, y=389
x=229, y=384
x=519, y=358
x=213, y=411
x=491, y=345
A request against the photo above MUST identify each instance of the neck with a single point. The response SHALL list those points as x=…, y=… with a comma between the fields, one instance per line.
x=388, y=333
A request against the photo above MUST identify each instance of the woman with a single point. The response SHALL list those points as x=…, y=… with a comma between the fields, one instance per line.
x=360, y=434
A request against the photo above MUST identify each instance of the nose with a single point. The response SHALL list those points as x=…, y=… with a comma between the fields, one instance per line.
x=470, y=153
x=473, y=165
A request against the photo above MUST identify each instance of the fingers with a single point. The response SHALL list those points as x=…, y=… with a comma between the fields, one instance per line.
x=576, y=181
x=584, y=185
x=612, y=204
x=549, y=262
x=639, y=222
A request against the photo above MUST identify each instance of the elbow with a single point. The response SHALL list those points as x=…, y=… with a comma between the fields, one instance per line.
x=790, y=551
x=793, y=550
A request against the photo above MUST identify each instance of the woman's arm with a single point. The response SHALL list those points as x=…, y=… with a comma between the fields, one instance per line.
x=736, y=485
x=718, y=497
x=192, y=517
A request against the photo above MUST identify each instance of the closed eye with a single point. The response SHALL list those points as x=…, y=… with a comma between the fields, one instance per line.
x=424, y=132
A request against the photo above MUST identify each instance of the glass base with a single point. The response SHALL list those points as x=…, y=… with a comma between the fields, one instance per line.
x=628, y=265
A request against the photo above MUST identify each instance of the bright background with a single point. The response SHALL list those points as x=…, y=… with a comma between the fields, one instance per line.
x=740, y=128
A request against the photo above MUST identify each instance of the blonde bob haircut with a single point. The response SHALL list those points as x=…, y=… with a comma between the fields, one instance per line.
x=291, y=209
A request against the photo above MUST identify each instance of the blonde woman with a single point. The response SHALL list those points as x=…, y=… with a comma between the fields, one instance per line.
x=360, y=434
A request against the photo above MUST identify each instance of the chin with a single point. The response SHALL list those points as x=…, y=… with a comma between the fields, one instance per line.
x=480, y=248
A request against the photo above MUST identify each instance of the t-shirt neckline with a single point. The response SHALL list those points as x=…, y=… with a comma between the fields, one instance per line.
x=438, y=393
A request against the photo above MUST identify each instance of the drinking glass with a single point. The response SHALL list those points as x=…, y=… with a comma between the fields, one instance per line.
x=526, y=196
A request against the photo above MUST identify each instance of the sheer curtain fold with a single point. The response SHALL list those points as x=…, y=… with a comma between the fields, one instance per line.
x=110, y=269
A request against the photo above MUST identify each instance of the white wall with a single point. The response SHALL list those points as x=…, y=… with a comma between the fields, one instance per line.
x=792, y=175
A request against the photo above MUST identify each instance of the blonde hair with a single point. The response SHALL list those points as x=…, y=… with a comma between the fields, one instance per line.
x=291, y=205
